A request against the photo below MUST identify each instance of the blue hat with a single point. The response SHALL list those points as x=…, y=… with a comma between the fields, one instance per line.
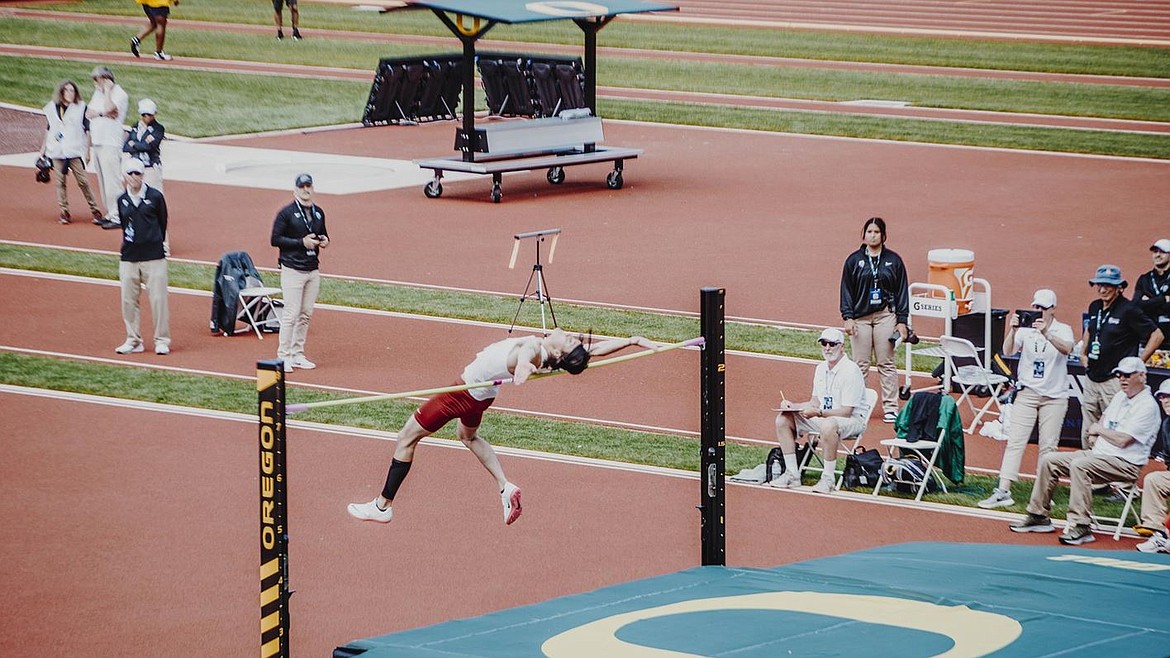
x=303, y=180
x=1109, y=275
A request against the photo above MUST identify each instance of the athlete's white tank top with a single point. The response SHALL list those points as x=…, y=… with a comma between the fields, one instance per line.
x=491, y=364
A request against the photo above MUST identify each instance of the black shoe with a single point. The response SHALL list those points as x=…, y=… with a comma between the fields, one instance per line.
x=296, y=35
x=279, y=35
x=108, y=225
x=134, y=43
x=1075, y=535
x=1033, y=523
x=65, y=218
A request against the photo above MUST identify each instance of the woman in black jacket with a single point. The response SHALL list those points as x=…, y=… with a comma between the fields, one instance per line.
x=875, y=304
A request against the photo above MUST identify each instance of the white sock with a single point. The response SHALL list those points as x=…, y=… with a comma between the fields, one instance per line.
x=830, y=471
x=1005, y=485
x=790, y=464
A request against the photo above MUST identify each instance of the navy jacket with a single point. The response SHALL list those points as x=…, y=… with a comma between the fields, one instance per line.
x=148, y=148
x=289, y=229
x=144, y=227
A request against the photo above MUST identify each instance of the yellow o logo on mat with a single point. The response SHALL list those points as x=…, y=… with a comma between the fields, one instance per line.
x=567, y=8
x=974, y=633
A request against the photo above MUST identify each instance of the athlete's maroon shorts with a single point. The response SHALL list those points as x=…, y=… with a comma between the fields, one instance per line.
x=445, y=407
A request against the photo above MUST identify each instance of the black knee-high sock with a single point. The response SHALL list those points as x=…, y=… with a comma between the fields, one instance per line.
x=394, y=478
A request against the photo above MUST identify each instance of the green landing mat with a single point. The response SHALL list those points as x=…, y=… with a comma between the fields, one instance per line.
x=904, y=601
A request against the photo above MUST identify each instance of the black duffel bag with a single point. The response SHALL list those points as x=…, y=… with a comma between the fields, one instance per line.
x=862, y=469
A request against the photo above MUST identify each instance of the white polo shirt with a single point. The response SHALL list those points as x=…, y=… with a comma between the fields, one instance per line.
x=1138, y=417
x=841, y=386
x=104, y=131
x=1042, y=367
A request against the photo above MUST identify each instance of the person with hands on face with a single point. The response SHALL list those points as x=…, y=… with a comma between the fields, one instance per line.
x=1042, y=399
x=875, y=305
x=835, y=411
x=300, y=233
x=107, y=114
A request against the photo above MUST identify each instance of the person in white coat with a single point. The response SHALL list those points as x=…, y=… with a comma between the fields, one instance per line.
x=67, y=144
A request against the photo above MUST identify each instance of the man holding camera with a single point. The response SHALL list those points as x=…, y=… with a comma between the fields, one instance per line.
x=1044, y=344
x=299, y=232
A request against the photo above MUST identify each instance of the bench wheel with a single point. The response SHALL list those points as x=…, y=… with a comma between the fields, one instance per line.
x=433, y=189
x=556, y=175
x=614, y=180
x=497, y=193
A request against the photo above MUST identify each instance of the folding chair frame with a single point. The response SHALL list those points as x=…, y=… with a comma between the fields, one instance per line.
x=1134, y=491
x=250, y=300
x=959, y=348
x=918, y=448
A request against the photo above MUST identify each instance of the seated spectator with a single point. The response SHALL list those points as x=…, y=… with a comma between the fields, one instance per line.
x=1120, y=441
x=1156, y=488
x=1152, y=291
x=1043, y=395
x=836, y=411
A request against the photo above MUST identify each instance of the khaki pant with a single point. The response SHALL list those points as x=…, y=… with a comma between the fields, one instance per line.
x=1084, y=471
x=299, y=291
x=107, y=161
x=1029, y=408
x=1155, y=491
x=1094, y=399
x=152, y=274
x=61, y=170
x=871, y=344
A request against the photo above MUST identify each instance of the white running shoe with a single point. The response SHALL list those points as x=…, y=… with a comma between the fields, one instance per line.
x=162, y=350
x=824, y=486
x=786, y=480
x=998, y=498
x=370, y=512
x=510, y=497
x=303, y=363
x=1157, y=543
x=129, y=347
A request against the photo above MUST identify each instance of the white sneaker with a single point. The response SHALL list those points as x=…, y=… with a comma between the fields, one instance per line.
x=510, y=497
x=786, y=480
x=288, y=365
x=302, y=363
x=998, y=498
x=890, y=417
x=129, y=347
x=824, y=486
x=1157, y=543
x=162, y=350
x=370, y=512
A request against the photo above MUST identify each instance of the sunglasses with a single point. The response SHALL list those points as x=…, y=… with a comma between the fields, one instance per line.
x=134, y=173
x=1040, y=308
x=828, y=343
x=1125, y=375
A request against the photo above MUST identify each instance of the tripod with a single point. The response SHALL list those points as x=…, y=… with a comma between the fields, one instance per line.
x=541, y=294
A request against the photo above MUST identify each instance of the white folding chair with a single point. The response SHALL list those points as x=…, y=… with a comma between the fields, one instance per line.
x=925, y=450
x=254, y=295
x=869, y=401
x=969, y=377
x=1131, y=490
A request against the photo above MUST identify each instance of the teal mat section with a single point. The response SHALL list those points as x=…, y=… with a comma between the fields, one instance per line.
x=905, y=601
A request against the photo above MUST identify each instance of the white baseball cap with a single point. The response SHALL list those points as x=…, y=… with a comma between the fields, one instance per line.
x=1044, y=298
x=133, y=166
x=1129, y=365
x=147, y=106
x=1163, y=389
x=832, y=335
x=1162, y=245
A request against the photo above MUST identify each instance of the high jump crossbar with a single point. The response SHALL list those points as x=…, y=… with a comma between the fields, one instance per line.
x=305, y=406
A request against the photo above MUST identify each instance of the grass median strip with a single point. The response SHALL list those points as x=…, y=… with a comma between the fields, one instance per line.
x=130, y=382
x=481, y=307
x=647, y=35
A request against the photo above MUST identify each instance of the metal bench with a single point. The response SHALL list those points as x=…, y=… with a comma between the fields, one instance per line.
x=551, y=143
